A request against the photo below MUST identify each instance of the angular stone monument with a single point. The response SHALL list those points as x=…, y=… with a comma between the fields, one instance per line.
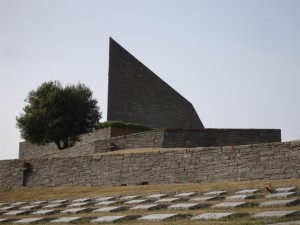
x=137, y=95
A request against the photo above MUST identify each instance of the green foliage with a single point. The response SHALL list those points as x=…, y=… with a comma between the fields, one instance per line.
x=58, y=114
x=122, y=125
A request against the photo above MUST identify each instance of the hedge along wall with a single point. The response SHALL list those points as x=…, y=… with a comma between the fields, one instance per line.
x=205, y=164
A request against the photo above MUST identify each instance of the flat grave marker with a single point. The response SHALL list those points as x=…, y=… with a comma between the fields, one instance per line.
x=29, y=220
x=104, y=219
x=205, y=199
x=247, y=191
x=286, y=189
x=38, y=203
x=148, y=207
x=105, y=203
x=282, y=195
x=75, y=210
x=132, y=202
x=81, y=200
x=29, y=207
x=281, y=203
x=186, y=194
x=159, y=217
x=15, y=213
x=78, y=204
x=275, y=214
x=44, y=212
x=53, y=206
x=7, y=208
x=157, y=196
x=130, y=197
x=217, y=216
x=102, y=199
x=110, y=209
x=18, y=203
x=59, y=201
x=231, y=204
x=168, y=200
x=187, y=206
x=240, y=197
x=215, y=193
x=66, y=220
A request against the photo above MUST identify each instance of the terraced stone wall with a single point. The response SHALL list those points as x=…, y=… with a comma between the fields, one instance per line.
x=205, y=164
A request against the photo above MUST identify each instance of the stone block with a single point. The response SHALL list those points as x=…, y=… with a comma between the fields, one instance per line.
x=59, y=201
x=81, y=200
x=66, y=220
x=187, y=206
x=75, y=210
x=240, y=197
x=105, y=203
x=132, y=202
x=7, y=208
x=30, y=220
x=18, y=203
x=160, y=217
x=247, y=191
x=281, y=203
x=110, y=209
x=232, y=204
x=168, y=200
x=282, y=195
x=286, y=189
x=217, y=216
x=45, y=212
x=186, y=194
x=15, y=213
x=78, y=204
x=104, y=219
x=276, y=214
x=148, y=207
x=205, y=199
x=131, y=197
x=215, y=193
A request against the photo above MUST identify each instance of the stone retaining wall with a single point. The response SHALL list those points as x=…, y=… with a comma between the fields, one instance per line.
x=205, y=164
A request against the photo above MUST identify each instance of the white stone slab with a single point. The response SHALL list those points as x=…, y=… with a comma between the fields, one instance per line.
x=3, y=204
x=275, y=214
x=230, y=204
x=186, y=206
x=205, y=199
x=158, y=217
x=132, y=202
x=81, y=200
x=53, y=206
x=29, y=207
x=44, y=212
x=79, y=204
x=59, y=201
x=29, y=220
x=38, y=203
x=186, y=194
x=106, y=203
x=16, y=212
x=157, y=196
x=75, y=210
x=110, y=209
x=286, y=189
x=213, y=216
x=148, y=207
x=7, y=208
x=130, y=197
x=282, y=195
x=168, y=200
x=240, y=197
x=65, y=220
x=215, y=193
x=102, y=199
x=104, y=219
x=280, y=203
x=247, y=191
x=18, y=203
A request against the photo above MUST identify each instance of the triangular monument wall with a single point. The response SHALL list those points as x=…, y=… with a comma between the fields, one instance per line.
x=137, y=95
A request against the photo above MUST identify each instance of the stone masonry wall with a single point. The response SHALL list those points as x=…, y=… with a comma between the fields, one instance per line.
x=205, y=164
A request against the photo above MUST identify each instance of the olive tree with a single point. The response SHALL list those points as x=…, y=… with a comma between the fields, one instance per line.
x=58, y=114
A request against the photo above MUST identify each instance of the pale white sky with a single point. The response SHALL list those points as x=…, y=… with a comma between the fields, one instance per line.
x=236, y=61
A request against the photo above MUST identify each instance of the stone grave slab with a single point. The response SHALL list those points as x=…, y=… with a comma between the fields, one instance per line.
x=18, y=203
x=187, y=206
x=59, y=201
x=7, y=208
x=148, y=207
x=275, y=214
x=79, y=204
x=15, y=213
x=53, y=206
x=130, y=197
x=157, y=196
x=215, y=193
x=102, y=199
x=232, y=204
x=66, y=219
x=29, y=220
x=205, y=199
x=288, y=223
x=81, y=200
x=186, y=194
x=286, y=189
x=75, y=210
x=160, y=217
x=282, y=195
x=217, y=216
x=29, y=207
x=44, y=212
x=106, y=203
x=132, y=202
x=4, y=220
x=240, y=197
x=247, y=191
x=3, y=204
x=38, y=203
x=104, y=219
x=281, y=203
x=110, y=209
x=168, y=200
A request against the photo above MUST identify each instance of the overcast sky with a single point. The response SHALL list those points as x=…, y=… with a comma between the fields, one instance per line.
x=236, y=61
